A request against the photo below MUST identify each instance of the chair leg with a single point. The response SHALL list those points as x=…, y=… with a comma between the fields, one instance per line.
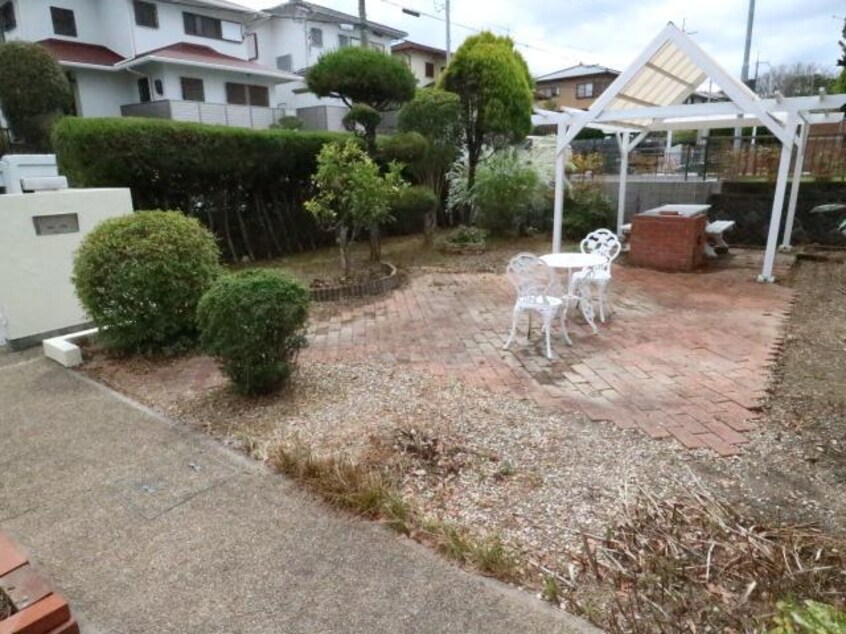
x=564, y=328
x=514, y=317
x=601, y=294
x=547, y=327
x=529, y=329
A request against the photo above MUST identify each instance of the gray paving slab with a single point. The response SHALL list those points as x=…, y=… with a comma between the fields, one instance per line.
x=147, y=526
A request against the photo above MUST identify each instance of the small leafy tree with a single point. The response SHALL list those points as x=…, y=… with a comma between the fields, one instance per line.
x=352, y=193
x=33, y=90
x=435, y=114
x=493, y=83
x=253, y=322
x=362, y=119
x=365, y=76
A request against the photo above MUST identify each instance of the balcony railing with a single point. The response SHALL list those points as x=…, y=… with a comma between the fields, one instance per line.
x=202, y=112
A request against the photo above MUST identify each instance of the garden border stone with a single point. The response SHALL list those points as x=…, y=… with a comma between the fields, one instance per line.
x=388, y=282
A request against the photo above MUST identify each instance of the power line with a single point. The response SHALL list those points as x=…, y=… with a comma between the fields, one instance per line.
x=417, y=13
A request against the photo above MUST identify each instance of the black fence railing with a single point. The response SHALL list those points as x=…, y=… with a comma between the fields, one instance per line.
x=720, y=157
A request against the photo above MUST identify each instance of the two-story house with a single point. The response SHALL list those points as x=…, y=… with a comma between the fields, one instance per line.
x=193, y=60
x=426, y=62
x=292, y=38
x=574, y=87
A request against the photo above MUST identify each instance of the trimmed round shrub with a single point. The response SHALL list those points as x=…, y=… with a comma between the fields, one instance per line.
x=253, y=323
x=412, y=208
x=140, y=277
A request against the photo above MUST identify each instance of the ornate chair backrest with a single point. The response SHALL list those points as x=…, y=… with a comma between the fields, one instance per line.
x=602, y=242
x=531, y=276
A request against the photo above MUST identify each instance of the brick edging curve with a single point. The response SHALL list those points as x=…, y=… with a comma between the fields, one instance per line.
x=363, y=289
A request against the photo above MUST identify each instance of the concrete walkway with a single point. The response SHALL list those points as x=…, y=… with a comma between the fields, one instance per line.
x=148, y=527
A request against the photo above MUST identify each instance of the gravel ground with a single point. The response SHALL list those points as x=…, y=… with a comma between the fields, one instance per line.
x=495, y=464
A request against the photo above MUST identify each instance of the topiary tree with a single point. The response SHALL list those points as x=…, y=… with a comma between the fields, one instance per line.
x=352, y=193
x=33, y=90
x=414, y=203
x=434, y=114
x=493, y=83
x=140, y=277
x=363, y=119
x=365, y=76
x=252, y=322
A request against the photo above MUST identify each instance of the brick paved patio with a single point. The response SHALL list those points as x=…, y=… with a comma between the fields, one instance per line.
x=684, y=356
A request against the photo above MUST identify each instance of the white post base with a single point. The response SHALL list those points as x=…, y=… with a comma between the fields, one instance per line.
x=766, y=280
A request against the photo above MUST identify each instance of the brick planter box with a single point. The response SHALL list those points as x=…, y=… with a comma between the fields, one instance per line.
x=668, y=243
x=372, y=287
x=38, y=610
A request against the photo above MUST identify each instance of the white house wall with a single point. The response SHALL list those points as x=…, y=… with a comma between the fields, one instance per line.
x=416, y=62
x=102, y=93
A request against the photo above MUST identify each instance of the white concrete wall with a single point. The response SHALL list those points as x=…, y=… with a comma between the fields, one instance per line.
x=102, y=93
x=36, y=292
x=214, y=82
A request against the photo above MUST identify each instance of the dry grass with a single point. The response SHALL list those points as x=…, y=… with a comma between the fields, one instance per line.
x=696, y=565
x=370, y=488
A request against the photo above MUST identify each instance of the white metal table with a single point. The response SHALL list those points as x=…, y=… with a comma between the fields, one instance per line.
x=575, y=262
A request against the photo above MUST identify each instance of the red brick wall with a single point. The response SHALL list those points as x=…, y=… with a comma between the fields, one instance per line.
x=670, y=243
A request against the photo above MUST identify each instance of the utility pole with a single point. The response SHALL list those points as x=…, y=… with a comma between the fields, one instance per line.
x=448, y=42
x=362, y=22
x=744, y=71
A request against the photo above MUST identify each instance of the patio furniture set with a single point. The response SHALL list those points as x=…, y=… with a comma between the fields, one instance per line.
x=540, y=291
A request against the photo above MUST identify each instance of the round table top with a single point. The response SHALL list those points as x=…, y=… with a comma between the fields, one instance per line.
x=572, y=260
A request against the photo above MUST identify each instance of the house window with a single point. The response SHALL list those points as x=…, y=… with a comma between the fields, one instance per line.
x=202, y=26
x=430, y=69
x=146, y=14
x=284, y=62
x=247, y=95
x=157, y=84
x=192, y=89
x=7, y=17
x=64, y=22
x=315, y=36
x=144, y=90
x=347, y=40
x=584, y=91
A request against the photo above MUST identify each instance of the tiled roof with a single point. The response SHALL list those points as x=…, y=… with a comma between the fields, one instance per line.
x=299, y=9
x=414, y=46
x=80, y=53
x=198, y=54
x=580, y=70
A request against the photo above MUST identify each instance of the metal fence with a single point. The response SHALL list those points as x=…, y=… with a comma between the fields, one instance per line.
x=715, y=157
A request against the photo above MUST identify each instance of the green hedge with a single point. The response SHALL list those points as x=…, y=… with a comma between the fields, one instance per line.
x=246, y=186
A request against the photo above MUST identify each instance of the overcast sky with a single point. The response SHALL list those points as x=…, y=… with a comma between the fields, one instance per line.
x=555, y=34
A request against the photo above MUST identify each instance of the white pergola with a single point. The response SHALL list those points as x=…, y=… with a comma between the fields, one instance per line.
x=649, y=96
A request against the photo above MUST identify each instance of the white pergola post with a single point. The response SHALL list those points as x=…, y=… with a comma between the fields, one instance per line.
x=778, y=202
x=623, y=139
x=558, y=209
x=794, y=186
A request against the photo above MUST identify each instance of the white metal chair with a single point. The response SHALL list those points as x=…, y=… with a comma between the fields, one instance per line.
x=605, y=243
x=534, y=279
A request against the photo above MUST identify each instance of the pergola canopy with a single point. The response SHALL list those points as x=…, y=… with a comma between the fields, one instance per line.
x=650, y=95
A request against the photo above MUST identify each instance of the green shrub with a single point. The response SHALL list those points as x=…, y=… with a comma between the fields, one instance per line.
x=288, y=122
x=467, y=235
x=506, y=190
x=33, y=90
x=413, y=210
x=811, y=617
x=253, y=322
x=140, y=277
x=246, y=186
x=363, y=120
x=586, y=209
x=407, y=148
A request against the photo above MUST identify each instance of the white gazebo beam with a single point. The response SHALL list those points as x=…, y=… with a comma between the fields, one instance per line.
x=558, y=205
x=794, y=185
x=778, y=202
x=626, y=143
